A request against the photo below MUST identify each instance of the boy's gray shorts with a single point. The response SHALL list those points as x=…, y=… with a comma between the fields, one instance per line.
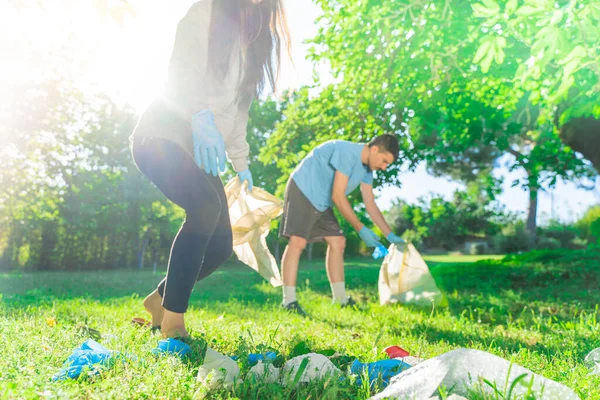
x=301, y=218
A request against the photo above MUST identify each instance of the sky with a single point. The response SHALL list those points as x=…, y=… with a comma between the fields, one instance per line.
x=129, y=63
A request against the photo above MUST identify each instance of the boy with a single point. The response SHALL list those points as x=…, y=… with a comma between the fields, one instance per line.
x=323, y=179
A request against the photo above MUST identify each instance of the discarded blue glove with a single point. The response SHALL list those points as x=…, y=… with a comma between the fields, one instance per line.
x=385, y=369
x=380, y=252
x=395, y=239
x=369, y=237
x=90, y=354
x=209, y=147
x=172, y=346
x=268, y=357
x=246, y=176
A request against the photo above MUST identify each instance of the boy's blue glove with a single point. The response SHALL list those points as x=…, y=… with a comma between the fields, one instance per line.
x=246, y=176
x=380, y=252
x=369, y=237
x=209, y=147
x=395, y=239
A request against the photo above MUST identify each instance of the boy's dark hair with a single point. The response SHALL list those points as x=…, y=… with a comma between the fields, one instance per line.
x=387, y=143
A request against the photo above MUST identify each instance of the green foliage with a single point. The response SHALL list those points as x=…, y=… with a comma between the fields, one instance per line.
x=453, y=83
x=478, y=249
x=556, y=234
x=436, y=222
x=71, y=196
x=584, y=225
x=514, y=238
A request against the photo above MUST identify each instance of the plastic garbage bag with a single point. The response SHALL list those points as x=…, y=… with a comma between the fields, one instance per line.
x=592, y=361
x=404, y=278
x=463, y=370
x=318, y=367
x=385, y=369
x=218, y=370
x=172, y=346
x=266, y=373
x=251, y=214
x=90, y=354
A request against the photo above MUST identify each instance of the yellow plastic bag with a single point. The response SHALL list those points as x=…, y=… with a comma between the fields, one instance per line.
x=405, y=278
x=251, y=214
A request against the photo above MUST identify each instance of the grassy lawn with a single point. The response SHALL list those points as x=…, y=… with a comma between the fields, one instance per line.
x=538, y=309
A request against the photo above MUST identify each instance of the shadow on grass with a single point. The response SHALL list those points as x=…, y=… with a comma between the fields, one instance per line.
x=499, y=291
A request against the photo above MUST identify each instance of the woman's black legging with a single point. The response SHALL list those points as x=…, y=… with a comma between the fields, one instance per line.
x=204, y=241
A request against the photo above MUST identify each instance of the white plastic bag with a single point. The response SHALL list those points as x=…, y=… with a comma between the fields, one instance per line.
x=592, y=362
x=404, y=278
x=464, y=369
x=218, y=370
x=318, y=367
x=265, y=373
x=251, y=214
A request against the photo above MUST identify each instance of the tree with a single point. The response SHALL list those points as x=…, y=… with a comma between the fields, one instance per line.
x=428, y=66
x=71, y=196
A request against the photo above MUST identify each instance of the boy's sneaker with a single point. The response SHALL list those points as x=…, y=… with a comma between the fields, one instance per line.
x=294, y=307
x=349, y=303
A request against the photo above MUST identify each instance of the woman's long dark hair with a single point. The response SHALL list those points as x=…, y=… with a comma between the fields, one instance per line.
x=261, y=31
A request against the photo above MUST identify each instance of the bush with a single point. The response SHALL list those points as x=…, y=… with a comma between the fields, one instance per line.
x=478, y=249
x=513, y=239
x=413, y=237
x=548, y=243
x=595, y=231
x=587, y=227
x=561, y=233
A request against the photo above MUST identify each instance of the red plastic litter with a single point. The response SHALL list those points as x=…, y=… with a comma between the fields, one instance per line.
x=396, y=352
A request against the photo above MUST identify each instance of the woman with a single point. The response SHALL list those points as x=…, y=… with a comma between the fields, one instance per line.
x=224, y=53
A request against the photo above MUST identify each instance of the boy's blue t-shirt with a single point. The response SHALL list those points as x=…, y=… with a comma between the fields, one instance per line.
x=315, y=174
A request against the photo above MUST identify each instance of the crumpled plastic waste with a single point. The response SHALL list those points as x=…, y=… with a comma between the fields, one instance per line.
x=261, y=372
x=218, y=370
x=172, y=346
x=90, y=354
x=386, y=369
x=396, y=352
x=317, y=367
x=592, y=362
x=462, y=370
x=268, y=357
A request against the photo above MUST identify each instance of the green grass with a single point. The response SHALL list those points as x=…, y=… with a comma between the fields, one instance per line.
x=538, y=309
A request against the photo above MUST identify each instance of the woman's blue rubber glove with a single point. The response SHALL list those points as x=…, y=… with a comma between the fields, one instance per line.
x=209, y=147
x=246, y=176
x=395, y=239
x=369, y=237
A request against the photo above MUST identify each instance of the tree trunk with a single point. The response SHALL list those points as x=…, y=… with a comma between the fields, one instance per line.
x=154, y=259
x=532, y=211
x=141, y=252
x=310, y=251
x=48, y=246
